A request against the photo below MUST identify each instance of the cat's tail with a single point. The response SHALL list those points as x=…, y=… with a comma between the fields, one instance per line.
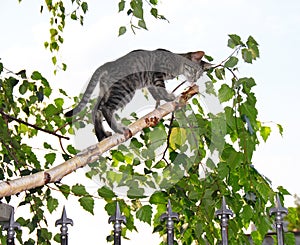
x=97, y=76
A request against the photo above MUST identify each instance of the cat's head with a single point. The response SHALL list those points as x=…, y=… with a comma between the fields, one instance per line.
x=197, y=58
x=194, y=72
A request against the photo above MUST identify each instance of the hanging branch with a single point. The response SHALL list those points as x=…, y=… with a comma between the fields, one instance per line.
x=92, y=153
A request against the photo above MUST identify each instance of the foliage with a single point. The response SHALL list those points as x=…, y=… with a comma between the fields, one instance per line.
x=173, y=160
x=136, y=11
x=26, y=114
x=170, y=158
x=293, y=217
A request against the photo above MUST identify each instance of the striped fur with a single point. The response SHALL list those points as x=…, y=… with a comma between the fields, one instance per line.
x=118, y=81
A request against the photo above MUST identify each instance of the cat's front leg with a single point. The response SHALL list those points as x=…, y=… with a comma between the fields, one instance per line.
x=160, y=93
x=109, y=116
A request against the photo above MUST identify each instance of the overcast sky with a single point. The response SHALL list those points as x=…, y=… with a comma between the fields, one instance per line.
x=194, y=25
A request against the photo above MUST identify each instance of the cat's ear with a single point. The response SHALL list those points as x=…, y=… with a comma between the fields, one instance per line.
x=197, y=56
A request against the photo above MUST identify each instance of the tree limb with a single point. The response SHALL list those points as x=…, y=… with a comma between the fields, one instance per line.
x=92, y=153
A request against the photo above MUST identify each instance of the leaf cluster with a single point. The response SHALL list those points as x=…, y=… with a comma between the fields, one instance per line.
x=59, y=14
x=136, y=11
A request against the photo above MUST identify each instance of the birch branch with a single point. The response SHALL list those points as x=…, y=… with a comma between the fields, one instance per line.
x=92, y=153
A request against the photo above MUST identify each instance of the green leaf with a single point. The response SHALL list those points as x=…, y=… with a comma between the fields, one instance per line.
x=251, y=41
x=60, y=39
x=50, y=158
x=247, y=83
x=23, y=88
x=283, y=191
x=106, y=193
x=79, y=190
x=145, y=214
x=138, y=10
x=154, y=2
x=280, y=128
x=47, y=146
x=265, y=132
x=36, y=75
x=122, y=30
x=54, y=46
x=158, y=198
x=154, y=12
x=231, y=62
x=74, y=15
x=117, y=156
x=44, y=234
x=63, y=92
x=46, y=44
x=253, y=47
x=65, y=190
x=71, y=149
x=177, y=137
x=264, y=190
x=234, y=40
x=121, y=5
x=160, y=164
x=209, y=88
x=135, y=143
x=142, y=24
x=59, y=102
x=219, y=73
x=256, y=237
x=225, y=93
x=50, y=110
x=148, y=163
x=87, y=203
x=64, y=67
x=84, y=7
x=54, y=60
x=53, y=32
x=247, y=213
x=247, y=55
x=57, y=238
x=289, y=238
x=52, y=204
x=135, y=192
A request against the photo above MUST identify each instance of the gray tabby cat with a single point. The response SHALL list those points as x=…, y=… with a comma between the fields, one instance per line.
x=119, y=79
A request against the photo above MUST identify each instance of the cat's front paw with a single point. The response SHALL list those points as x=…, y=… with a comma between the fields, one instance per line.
x=108, y=134
x=127, y=133
x=170, y=97
x=124, y=130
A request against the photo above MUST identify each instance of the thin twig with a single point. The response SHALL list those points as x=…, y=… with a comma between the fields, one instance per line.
x=62, y=147
x=32, y=125
x=168, y=139
x=235, y=51
x=179, y=86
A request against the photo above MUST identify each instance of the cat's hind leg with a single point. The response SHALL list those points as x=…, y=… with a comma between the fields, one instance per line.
x=98, y=125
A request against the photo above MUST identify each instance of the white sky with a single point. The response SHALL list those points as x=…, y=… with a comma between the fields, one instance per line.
x=194, y=25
